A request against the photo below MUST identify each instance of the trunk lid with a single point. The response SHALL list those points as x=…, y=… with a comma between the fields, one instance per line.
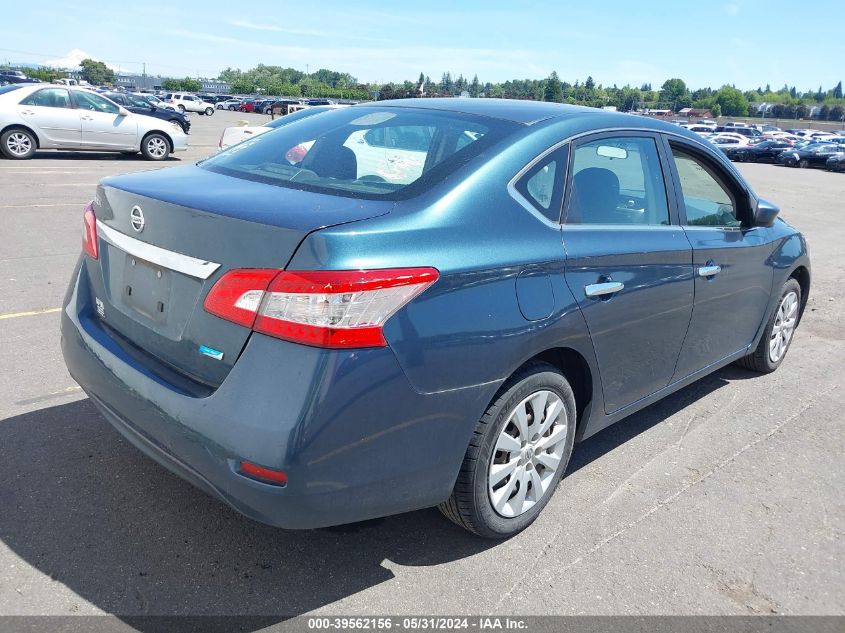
x=149, y=285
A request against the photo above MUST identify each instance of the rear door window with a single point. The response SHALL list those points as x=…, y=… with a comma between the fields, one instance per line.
x=49, y=98
x=617, y=180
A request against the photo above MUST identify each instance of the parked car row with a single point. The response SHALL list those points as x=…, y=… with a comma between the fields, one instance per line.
x=140, y=104
x=766, y=143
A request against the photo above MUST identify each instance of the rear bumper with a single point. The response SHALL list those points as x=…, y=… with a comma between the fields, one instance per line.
x=355, y=439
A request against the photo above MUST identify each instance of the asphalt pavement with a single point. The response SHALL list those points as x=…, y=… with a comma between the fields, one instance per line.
x=725, y=498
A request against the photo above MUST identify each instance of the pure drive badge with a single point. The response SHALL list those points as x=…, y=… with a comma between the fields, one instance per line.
x=211, y=352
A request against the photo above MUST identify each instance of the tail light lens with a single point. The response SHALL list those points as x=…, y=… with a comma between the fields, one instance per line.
x=332, y=309
x=89, y=232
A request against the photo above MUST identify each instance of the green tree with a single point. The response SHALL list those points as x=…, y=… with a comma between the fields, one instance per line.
x=191, y=85
x=731, y=101
x=674, y=94
x=96, y=73
x=474, y=87
x=716, y=110
x=552, y=90
x=837, y=113
x=837, y=91
x=171, y=84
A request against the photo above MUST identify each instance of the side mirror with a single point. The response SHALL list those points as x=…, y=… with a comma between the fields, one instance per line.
x=123, y=112
x=765, y=213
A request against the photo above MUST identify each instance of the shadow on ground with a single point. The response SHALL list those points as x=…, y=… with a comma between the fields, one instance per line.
x=95, y=155
x=88, y=510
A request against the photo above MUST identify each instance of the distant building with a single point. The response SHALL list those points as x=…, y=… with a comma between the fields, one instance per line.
x=137, y=82
x=215, y=85
x=131, y=81
x=695, y=113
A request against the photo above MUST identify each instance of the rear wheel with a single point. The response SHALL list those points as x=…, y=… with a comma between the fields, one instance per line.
x=232, y=108
x=517, y=455
x=18, y=144
x=779, y=331
x=155, y=146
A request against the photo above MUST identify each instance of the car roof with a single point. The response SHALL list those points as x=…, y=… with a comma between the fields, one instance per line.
x=518, y=111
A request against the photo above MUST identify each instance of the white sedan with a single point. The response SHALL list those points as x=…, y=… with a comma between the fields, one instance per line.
x=39, y=116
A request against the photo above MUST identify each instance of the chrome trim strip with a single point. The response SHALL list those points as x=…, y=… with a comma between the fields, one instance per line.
x=184, y=264
x=514, y=193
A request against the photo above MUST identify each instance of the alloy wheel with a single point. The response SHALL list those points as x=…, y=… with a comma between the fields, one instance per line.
x=19, y=144
x=784, y=327
x=527, y=454
x=157, y=147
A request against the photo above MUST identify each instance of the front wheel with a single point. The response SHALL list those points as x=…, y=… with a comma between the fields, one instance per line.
x=779, y=331
x=181, y=108
x=18, y=144
x=517, y=455
x=803, y=164
x=209, y=111
x=155, y=146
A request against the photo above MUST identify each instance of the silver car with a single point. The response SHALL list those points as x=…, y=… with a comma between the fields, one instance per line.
x=39, y=116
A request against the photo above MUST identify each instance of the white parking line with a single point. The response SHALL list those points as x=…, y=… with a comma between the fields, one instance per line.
x=17, y=315
x=38, y=206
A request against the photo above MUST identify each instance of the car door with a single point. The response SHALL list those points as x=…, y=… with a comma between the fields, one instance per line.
x=628, y=263
x=733, y=278
x=103, y=126
x=51, y=114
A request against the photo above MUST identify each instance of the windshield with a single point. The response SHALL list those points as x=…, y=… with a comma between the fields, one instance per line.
x=364, y=151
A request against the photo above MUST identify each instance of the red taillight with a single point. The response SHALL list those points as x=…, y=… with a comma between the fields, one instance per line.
x=335, y=309
x=267, y=475
x=89, y=232
x=237, y=295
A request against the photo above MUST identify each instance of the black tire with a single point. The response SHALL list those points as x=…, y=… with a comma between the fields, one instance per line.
x=803, y=164
x=760, y=359
x=232, y=108
x=470, y=505
x=181, y=108
x=18, y=143
x=155, y=146
x=209, y=111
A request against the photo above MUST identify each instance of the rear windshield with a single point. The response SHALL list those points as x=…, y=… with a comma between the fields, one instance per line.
x=363, y=151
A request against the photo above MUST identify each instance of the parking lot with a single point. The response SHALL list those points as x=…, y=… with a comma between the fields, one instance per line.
x=725, y=498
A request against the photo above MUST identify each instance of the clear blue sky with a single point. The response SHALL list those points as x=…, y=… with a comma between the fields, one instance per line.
x=726, y=41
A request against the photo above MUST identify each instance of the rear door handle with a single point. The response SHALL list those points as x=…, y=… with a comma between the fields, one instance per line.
x=27, y=112
x=87, y=117
x=709, y=270
x=602, y=289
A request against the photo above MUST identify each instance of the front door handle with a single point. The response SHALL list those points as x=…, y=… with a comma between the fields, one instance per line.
x=602, y=289
x=87, y=117
x=709, y=270
x=27, y=112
